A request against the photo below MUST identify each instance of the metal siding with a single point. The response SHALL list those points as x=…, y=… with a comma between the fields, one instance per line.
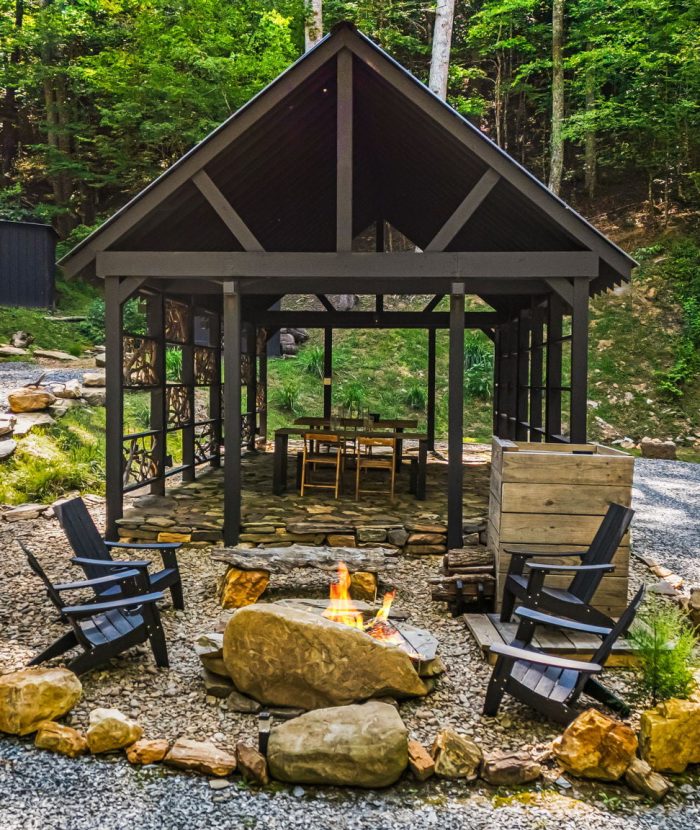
x=27, y=254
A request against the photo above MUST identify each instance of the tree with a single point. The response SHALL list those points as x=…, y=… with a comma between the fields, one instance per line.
x=313, y=24
x=556, y=162
x=442, y=42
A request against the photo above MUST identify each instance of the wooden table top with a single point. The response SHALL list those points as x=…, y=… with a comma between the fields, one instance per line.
x=353, y=433
x=389, y=423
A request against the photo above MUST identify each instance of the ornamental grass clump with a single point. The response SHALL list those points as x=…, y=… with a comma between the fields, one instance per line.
x=664, y=643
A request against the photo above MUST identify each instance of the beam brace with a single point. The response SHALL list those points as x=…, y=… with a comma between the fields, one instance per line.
x=464, y=211
x=563, y=288
x=325, y=302
x=226, y=212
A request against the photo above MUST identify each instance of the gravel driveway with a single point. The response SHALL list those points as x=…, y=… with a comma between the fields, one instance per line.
x=42, y=791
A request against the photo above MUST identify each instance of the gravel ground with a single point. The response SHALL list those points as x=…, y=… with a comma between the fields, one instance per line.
x=41, y=790
x=17, y=374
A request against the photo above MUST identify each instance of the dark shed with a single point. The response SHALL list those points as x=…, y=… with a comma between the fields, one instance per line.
x=27, y=257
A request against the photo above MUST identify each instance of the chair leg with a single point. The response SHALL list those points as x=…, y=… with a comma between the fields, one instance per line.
x=357, y=480
x=61, y=646
x=303, y=473
x=602, y=694
x=508, y=604
x=176, y=594
x=156, y=635
x=496, y=689
x=87, y=660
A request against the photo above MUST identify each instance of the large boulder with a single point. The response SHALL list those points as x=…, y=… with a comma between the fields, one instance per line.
x=669, y=735
x=288, y=657
x=27, y=399
x=363, y=745
x=596, y=746
x=110, y=730
x=30, y=696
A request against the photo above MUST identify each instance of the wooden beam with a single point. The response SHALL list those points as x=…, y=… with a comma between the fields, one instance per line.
x=114, y=405
x=325, y=302
x=349, y=265
x=327, y=372
x=226, y=212
x=464, y=211
x=579, y=363
x=434, y=303
x=232, y=414
x=430, y=413
x=371, y=319
x=343, y=236
x=501, y=286
x=455, y=418
x=553, y=376
x=563, y=288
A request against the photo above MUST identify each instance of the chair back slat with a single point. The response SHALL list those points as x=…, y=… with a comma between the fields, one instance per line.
x=606, y=541
x=35, y=565
x=81, y=532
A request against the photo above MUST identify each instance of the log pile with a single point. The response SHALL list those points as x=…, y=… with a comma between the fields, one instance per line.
x=468, y=580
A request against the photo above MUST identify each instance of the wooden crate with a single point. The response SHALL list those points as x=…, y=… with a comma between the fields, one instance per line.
x=554, y=496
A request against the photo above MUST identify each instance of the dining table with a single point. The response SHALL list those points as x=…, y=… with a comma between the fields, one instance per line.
x=281, y=453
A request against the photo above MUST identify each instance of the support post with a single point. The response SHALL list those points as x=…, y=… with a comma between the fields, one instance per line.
x=522, y=402
x=344, y=173
x=536, y=366
x=114, y=406
x=215, y=392
x=579, y=363
x=251, y=384
x=431, y=389
x=158, y=414
x=497, y=381
x=232, y=413
x=456, y=418
x=263, y=385
x=189, y=472
x=554, y=368
x=327, y=372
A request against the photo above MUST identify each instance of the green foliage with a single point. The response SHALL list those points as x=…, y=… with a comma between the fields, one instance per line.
x=47, y=333
x=49, y=463
x=93, y=327
x=173, y=364
x=353, y=396
x=286, y=397
x=664, y=644
x=312, y=359
x=415, y=395
x=478, y=366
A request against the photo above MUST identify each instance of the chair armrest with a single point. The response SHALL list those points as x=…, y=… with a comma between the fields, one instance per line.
x=145, y=545
x=541, y=659
x=98, y=607
x=530, y=552
x=111, y=564
x=557, y=622
x=546, y=568
x=95, y=583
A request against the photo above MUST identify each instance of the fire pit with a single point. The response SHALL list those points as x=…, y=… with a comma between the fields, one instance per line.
x=312, y=654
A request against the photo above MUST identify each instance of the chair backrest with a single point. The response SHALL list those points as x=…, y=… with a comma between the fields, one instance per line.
x=620, y=629
x=322, y=437
x=54, y=595
x=606, y=541
x=81, y=532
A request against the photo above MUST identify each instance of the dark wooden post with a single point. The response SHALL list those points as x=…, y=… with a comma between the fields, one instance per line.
x=431, y=388
x=327, y=372
x=579, y=363
x=263, y=387
x=456, y=418
x=158, y=416
x=536, y=366
x=251, y=384
x=188, y=454
x=554, y=368
x=215, y=391
x=232, y=413
x=114, y=405
x=497, y=380
x=522, y=376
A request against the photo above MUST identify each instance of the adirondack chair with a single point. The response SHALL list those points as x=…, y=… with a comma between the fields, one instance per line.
x=552, y=684
x=106, y=629
x=573, y=602
x=94, y=554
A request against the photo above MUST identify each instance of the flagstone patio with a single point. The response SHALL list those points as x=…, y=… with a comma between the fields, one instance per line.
x=193, y=512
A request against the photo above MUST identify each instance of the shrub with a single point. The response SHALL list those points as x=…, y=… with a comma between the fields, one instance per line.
x=352, y=396
x=312, y=359
x=478, y=366
x=664, y=643
x=173, y=364
x=415, y=395
x=93, y=326
x=286, y=397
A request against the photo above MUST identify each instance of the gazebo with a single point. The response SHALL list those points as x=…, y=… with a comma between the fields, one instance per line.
x=275, y=202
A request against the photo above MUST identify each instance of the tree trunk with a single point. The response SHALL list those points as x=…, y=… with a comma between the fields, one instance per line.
x=10, y=109
x=313, y=27
x=442, y=41
x=589, y=164
x=556, y=162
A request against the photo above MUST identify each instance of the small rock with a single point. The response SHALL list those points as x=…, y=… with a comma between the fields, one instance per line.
x=420, y=761
x=30, y=696
x=94, y=397
x=298, y=792
x=201, y=756
x=69, y=390
x=50, y=354
x=669, y=735
x=147, y=751
x=509, y=769
x=656, y=448
x=27, y=421
x=11, y=351
x=94, y=379
x=59, y=738
x=219, y=783
x=7, y=424
x=252, y=764
x=596, y=746
x=7, y=447
x=456, y=756
x=237, y=702
x=363, y=586
x=216, y=685
x=641, y=778
x=29, y=400
x=241, y=588
x=110, y=730
x=397, y=536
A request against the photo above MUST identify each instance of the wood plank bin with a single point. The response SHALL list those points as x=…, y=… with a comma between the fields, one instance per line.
x=554, y=496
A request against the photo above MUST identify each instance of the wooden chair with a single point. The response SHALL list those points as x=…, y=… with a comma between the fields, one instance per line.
x=106, y=629
x=313, y=457
x=574, y=602
x=365, y=459
x=552, y=684
x=94, y=554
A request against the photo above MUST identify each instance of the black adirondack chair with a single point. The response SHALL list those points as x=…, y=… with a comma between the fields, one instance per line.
x=105, y=629
x=94, y=554
x=552, y=684
x=573, y=602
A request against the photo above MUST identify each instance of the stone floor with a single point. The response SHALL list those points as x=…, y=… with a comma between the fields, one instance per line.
x=193, y=512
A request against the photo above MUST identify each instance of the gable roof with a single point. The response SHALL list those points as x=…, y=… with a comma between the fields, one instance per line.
x=415, y=159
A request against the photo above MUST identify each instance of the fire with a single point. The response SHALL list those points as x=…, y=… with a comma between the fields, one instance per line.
x=342, y=610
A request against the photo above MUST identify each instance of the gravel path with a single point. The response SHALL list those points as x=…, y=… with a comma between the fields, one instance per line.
x=40, y=790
